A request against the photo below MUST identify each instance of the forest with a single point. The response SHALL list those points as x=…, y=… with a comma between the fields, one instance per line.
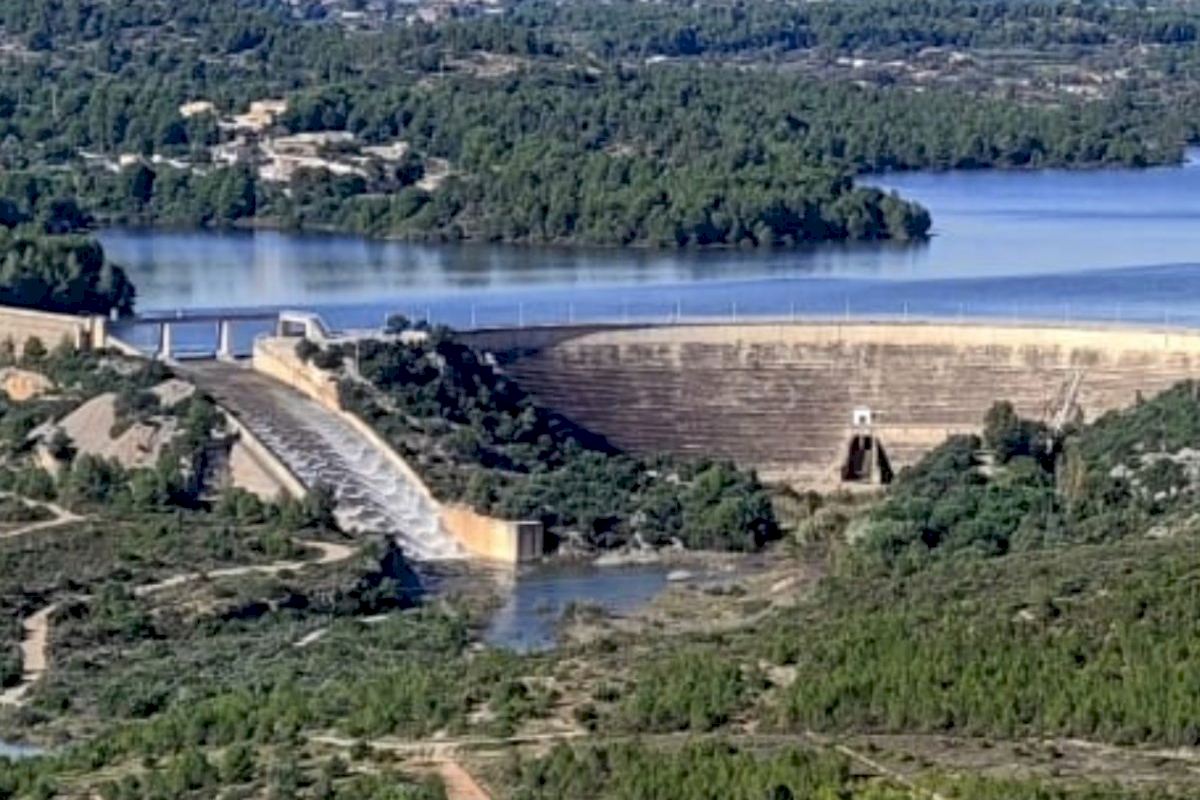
x=46, y=261
x=576, y=137
x=1112, y=478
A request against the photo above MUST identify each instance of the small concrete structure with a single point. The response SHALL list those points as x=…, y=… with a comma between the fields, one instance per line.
x=20, y=325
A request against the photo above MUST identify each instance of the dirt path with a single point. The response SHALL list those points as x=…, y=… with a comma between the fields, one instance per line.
x=36, y=642
x=61, y=517
x=458, y=783
x=882, y=769
x=33, y=655
x=330, y=553
x=443, y=749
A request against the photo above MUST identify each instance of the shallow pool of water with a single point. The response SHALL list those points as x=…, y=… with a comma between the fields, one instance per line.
x=17, y=751
x=529, y=618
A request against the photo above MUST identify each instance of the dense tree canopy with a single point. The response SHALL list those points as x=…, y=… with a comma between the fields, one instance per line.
x=576, y=138
x=61, y=273
x=1031, y=487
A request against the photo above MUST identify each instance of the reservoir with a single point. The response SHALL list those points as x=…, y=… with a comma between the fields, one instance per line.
x=1108, y=245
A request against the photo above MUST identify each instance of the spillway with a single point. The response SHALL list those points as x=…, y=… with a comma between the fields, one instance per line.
x=321, y=448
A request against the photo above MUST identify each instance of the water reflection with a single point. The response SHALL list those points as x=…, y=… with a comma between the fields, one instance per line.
x=1117, y=245
x=529, y=618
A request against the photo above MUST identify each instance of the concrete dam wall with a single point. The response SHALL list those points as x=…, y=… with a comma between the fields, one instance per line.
x=785, y=398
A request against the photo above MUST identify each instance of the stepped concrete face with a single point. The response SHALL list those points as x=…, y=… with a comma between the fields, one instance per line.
x=320, y=447
x=783, y=398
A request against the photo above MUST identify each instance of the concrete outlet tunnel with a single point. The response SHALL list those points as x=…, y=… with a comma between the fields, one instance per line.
x=783, y=398
x=866, y=461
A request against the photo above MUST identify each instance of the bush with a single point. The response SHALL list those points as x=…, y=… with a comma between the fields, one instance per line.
x=695, y=690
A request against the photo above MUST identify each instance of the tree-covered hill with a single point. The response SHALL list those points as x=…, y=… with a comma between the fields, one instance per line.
x=560, y=122
x=68, y=274
x=1022, y=487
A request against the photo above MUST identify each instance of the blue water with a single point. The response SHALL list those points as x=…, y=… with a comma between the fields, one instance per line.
x=528, y=621
x=1116, y=245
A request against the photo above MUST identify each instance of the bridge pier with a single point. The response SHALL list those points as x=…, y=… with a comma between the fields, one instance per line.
x=156, y=332
x=225, y=340
x=164, y=341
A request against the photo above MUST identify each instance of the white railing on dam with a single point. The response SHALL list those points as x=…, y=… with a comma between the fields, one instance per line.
x=203, y=333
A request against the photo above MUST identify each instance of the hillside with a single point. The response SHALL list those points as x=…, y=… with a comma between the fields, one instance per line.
x=641, y=124
x=1015, y=618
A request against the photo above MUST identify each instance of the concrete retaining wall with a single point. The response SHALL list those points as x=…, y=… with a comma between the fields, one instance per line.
x=491, y=538
x=277, y=358
x=266, y=461
x=781, y=397
x=19, y=325
x=482, y=536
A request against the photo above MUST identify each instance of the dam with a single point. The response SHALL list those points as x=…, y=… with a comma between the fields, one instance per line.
x=817, y=404
x=795, y=400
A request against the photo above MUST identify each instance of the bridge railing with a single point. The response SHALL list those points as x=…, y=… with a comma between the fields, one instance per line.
x=475, y=316
x=231, y=332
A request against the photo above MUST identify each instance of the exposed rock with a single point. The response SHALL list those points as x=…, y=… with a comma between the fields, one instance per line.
x=89, y=429
x=22, y=384
x=172, y=392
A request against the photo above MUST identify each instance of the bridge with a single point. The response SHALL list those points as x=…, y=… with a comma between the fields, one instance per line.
x=223, y=334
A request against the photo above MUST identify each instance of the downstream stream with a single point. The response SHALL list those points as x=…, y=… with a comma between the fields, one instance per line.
x=528, y=620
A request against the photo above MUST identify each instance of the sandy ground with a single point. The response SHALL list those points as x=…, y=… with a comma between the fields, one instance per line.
x=34, y=658
x=89, y=428
x=459, y=783
x=22, y=384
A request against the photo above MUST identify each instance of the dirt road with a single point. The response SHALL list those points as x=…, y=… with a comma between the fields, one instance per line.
x=331, y=553
x=61, y=517
x=35, y=645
